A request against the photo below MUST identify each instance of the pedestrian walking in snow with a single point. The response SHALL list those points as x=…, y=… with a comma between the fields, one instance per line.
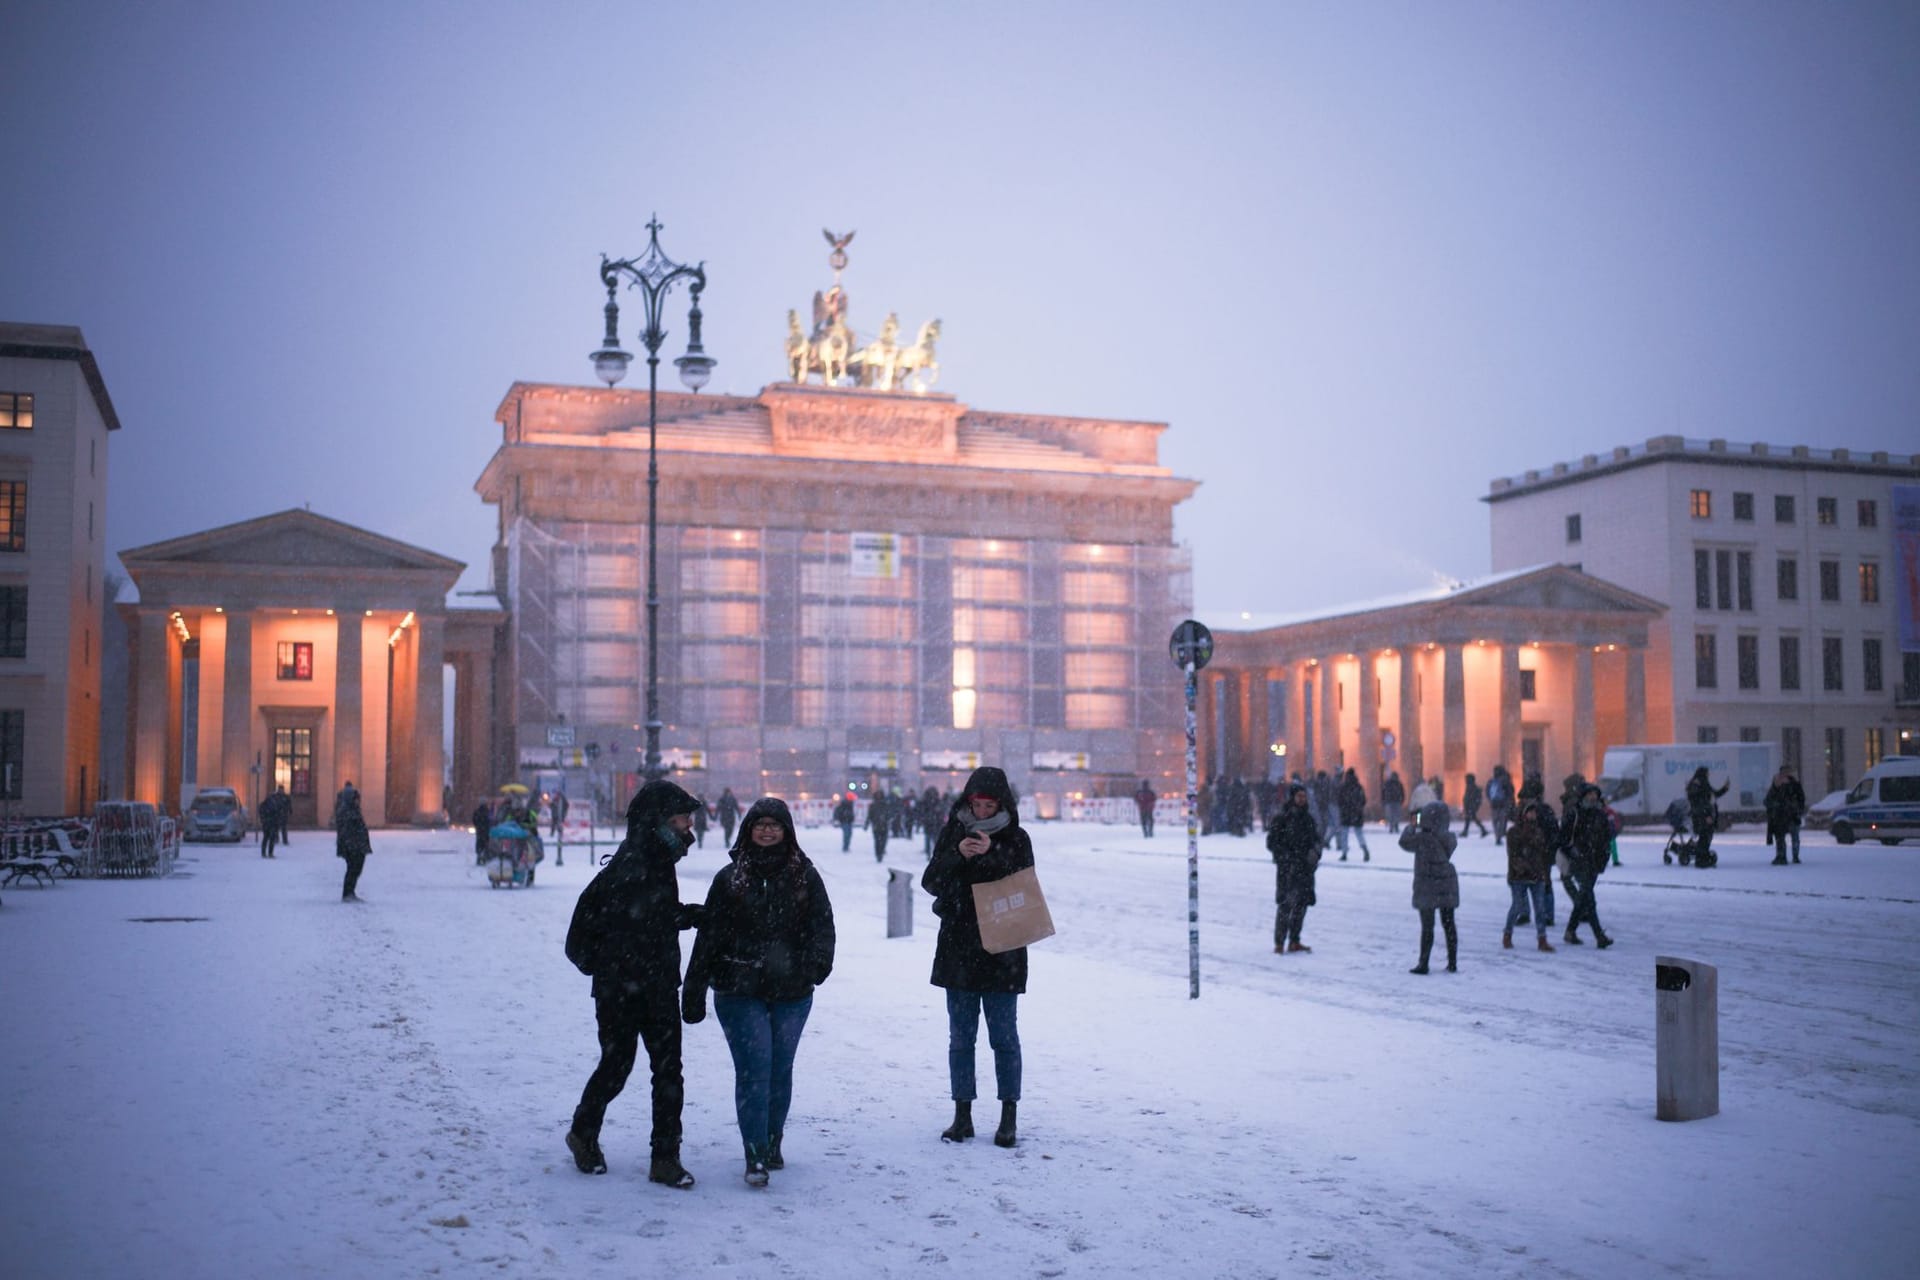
x=701, y=816
x=1393, y=798
x=350, y=840
x=1531, y=838
x=557, y=808
x=274, y=812
x=880, y=819
x=1350, y=803
x=1144, y=799
x=1587, y=845
x=1293, y=838
x=625, y=935
x=843, y=818
x=1436, y=885
x=727, y=809
x=982, y=841
x=1500, y=799
x=766, y=941
x=1786, y=805
x=1470, y=808
x=932, y=815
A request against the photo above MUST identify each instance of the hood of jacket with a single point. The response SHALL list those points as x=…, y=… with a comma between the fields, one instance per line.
x=650, y=808
x=989, y=781
x=765, y=807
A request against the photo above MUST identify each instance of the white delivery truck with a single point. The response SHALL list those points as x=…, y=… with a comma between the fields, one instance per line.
x=1641, y=781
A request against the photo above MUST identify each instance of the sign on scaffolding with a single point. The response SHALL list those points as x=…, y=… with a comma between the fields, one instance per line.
x=875, y=555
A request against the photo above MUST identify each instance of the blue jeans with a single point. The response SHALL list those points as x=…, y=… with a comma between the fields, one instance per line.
x=1537, y=892
x=1003, y=1033
x=763, y=1035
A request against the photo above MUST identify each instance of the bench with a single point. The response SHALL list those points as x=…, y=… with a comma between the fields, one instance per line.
x=40, y=870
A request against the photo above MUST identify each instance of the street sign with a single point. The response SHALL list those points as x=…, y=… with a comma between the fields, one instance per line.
x=1191, y=643
x=559, y=735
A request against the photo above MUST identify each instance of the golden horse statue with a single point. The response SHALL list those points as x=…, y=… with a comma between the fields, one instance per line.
x=799, y=350
x=874, y=365
x=916, y=364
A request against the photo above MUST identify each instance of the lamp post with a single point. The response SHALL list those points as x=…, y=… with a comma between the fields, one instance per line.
x=654, y=274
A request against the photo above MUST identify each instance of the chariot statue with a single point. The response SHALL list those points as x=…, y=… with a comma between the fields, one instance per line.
x=832, y=350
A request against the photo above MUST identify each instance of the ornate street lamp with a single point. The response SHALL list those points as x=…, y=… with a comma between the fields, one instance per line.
x=654, y=274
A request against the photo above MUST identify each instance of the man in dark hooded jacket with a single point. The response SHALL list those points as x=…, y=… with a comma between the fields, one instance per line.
x=625, y=935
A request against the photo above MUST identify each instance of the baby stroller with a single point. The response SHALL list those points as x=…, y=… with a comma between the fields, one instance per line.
x=1681, y=842
x=513, y=851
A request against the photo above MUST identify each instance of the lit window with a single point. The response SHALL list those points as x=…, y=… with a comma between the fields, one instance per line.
x=294, y=659
x=13, y=515
x=1700, y=504
x=1869, y=582
x=16, y=411
x=1827, y=510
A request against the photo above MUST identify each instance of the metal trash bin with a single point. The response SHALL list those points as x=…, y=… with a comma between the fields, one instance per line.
x=1686, y=1038
x=899, y=903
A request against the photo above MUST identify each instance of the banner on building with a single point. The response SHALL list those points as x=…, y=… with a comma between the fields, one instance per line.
x=875, y=555
x=882, y=760
x=968, y=760
x=1063, y=761
x=1906, y=563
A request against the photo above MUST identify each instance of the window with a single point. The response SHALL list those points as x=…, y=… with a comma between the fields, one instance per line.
x=13, y=753
x=1830, y=581
x=1910, y=677
x=1868, y=513
x=1826, y=510
x=1746, y=651
x=13, y=515
x=1706, y=664
x=1529, y=685
x=1783, y=508
x=1743, y=580
x=1707, y=733
x=1723, y=572
x=1876, y=747
x=13, y=622
x=16, y=411
x=1786, y=578
x=1869, y=582
x=295, y=659
x=293, y=761
x=1790, y=748
x=1749, y=733
x=1702, y=579
x=1832, y=665
x=1836, y=759
x=1871, y=676
x=1573, y=528
x=1700, y=504
x=1789, y=663
x=1743, y=506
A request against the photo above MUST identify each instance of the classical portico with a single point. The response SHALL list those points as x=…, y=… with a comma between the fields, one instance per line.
x=298, y=651
x=1539, y=669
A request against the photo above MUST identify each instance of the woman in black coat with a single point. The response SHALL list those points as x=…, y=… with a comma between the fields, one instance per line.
x=351, y=840
x=1293, y=838
x=981, y=842
x=766, y=940
x=1436, y=885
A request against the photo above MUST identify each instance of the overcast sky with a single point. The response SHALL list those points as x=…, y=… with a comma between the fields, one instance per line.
x=1362, y=257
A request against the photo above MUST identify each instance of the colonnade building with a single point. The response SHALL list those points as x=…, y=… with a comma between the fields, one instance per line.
x=1539, y=668
x=855, y=585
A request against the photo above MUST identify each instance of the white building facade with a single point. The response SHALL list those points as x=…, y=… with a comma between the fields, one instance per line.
x=1778, y=568
x=55, y=417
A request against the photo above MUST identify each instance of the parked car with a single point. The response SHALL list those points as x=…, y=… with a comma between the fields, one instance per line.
x=1884, y=805
x=215, y=814
x=1820, y=813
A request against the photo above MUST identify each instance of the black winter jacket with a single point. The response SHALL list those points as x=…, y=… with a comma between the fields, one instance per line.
x=1293, y=838
x=960, y=963
x=767, y=930
x=626, y=926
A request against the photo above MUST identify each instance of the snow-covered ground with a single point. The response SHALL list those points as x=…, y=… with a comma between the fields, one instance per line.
x=284, y=1086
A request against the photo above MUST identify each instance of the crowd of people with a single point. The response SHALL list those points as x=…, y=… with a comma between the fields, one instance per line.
x=764, y=942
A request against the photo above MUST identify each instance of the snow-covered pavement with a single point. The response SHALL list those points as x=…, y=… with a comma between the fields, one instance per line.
x=229, y=1073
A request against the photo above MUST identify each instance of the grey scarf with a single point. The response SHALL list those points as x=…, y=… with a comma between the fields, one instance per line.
x=984, y=826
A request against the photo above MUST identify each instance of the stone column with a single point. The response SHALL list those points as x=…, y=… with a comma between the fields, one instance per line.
x=1368, y=763
x=1259, y=741
x=430, y=754
x=1636, y=693
x=1583, y=711
x=348, y=700
x=236, y=706
x=1329, y=735
x=1453, y=720
x=150, y=707
x=1410, y=762
x=1510, y=706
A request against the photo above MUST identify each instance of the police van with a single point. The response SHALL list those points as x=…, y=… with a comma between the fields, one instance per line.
x=1884, y=805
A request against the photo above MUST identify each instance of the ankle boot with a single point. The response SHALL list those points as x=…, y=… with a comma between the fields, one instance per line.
x=1544, y=944
x=1506, y=940
x=1004, y=1136
x=962, y=1127
x=1572, y=938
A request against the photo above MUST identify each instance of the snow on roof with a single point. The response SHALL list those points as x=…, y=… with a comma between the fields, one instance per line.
x=1227, y=620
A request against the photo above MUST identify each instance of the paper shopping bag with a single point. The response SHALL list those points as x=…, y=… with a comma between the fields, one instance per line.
x=1012, y=912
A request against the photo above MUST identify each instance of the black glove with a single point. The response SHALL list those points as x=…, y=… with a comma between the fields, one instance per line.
x=693, y=1006
x=691, y=915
